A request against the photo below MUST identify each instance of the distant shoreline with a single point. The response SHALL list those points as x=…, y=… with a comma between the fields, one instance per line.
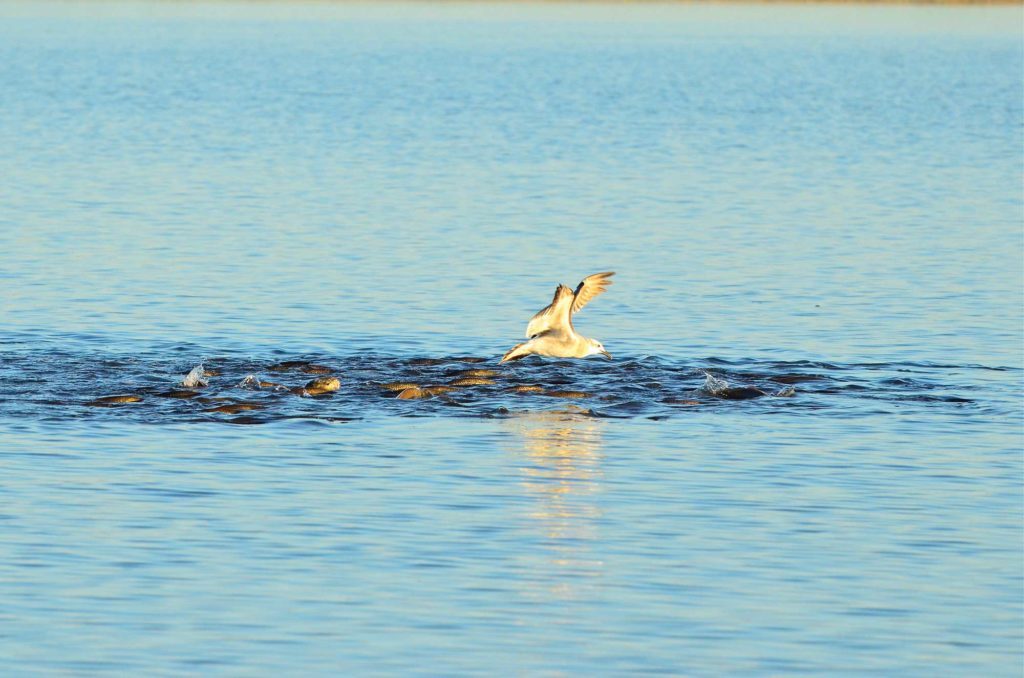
x=922, y=3
x=877, y=3
x=624, y=2
x=663, y=2
x=866, y=3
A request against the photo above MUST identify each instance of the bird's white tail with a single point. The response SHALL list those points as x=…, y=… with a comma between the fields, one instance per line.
x=516, y=352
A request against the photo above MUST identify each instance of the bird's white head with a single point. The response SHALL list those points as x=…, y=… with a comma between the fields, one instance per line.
x=597, y=348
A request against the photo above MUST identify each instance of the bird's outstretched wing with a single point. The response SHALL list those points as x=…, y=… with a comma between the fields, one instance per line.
x=590, y=287
x=554, y=315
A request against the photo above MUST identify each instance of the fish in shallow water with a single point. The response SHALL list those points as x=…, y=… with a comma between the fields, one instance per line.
x=413, y=393
x=115, y=400
x=416, y=392
x=398, y=386
x=478, y=373
x=179, y=394
x=437, y=390
x=680, y=401
x=471, y=381
x=319, y=386
x=289, y=365
x=527, y=388
x=235, y=408
x=568, y=394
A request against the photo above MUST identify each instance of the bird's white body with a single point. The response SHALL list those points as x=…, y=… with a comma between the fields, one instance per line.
x=551, y=332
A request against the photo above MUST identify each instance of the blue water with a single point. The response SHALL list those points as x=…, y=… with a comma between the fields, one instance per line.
x=806, y=456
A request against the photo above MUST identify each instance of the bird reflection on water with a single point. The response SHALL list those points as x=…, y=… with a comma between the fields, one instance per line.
x=561, y=473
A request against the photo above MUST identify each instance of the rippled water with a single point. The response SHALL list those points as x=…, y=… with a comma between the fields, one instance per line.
x=805, y=457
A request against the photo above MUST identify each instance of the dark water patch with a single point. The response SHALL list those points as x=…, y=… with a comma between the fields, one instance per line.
x=177, y=493
x=917, y=384
x=248, y=420
x=796, y=378
x=252, y=390
x=924, y=398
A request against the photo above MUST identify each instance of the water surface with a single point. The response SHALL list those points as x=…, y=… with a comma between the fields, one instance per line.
x=805, y=457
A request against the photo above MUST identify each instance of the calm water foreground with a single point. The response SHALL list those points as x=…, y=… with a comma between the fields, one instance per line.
x=805, y=457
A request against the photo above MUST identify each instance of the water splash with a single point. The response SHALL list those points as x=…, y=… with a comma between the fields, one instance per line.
x=714, y=385
x=720, y=388
x=250, y=381
x=254, y=382
x=194, y=378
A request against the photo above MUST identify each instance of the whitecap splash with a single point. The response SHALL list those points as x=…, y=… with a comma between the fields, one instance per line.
x=720, y=388
x=194, y=378
x=714, y=385
x=250, y=381
x=254, y=382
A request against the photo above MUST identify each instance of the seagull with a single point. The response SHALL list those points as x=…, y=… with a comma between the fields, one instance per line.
x=551, y=332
